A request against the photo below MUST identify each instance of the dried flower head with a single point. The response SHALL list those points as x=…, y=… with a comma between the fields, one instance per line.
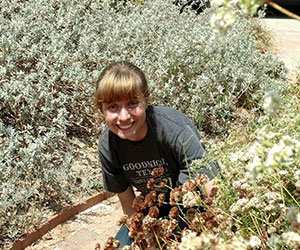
x=163, y=183
x=150, y=183
x=175, y=195
x=150, y=199
x=123, y=220
x=153, y=212
x=189, y=185
x=111, y=244
x=157, y=172
x=173, y=212
x=97, y=246
x=138, y=203
x=161, y=198
x=201, y=180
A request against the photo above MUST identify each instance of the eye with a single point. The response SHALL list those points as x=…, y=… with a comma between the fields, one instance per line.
x=112, y=107
x=133, y=103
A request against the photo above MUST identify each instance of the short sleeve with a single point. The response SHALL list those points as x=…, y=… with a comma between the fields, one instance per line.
x=113, y=177
x=188, y=149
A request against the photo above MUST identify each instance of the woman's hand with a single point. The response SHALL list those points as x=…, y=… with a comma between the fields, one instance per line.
x=209, y=186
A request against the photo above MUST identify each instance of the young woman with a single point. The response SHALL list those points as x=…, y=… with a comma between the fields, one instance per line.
x=140, y=137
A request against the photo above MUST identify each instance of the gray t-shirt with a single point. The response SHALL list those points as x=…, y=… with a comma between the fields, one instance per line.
x=172, y=142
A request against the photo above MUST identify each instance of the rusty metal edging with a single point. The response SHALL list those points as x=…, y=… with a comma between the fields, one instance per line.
x=45, y=227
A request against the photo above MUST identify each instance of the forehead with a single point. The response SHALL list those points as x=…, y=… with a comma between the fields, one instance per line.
x=114, y=96
x=125, y=100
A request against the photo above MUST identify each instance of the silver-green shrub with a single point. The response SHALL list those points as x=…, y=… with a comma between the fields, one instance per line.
x=188, y=69
x=51, y=52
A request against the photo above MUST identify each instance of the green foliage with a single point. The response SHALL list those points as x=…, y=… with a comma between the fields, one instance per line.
x=117, y=3
x=207, y=80
x=52, y=51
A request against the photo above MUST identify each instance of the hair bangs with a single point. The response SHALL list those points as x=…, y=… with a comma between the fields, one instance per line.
x=120, y=80
x=123, y=86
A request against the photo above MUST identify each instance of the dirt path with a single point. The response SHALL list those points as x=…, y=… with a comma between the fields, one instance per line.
x=85, y=230
x=98, y=223
x=286, y=37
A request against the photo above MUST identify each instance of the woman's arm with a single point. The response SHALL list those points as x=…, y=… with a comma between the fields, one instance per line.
x=126, y=198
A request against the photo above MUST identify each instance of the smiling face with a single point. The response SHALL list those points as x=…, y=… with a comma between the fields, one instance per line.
x=121, y=96
x=127, y=118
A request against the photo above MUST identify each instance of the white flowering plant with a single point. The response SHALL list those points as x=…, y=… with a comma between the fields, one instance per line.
x=259, y=187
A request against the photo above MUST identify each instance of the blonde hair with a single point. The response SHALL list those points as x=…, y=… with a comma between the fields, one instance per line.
x=120, y=80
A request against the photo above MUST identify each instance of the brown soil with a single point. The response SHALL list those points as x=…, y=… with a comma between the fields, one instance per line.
x=84, y=230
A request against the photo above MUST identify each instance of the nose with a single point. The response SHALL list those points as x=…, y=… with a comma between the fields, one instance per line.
x=124, y=114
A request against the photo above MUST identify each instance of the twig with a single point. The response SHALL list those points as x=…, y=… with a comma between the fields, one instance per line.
x=186, y=4
x=254, y=219
x=157, y=240
x=236, y=220
x=283, y=10
x=257, y=226
x=287, y=191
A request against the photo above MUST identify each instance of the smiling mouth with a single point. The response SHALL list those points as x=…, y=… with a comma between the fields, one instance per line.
x=125, y=126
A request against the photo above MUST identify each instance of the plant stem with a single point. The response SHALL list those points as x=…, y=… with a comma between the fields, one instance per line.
x=236, y=220
x=283, y=10
x=287, y=191
x=254, y=219
x=157, y=240
x=258, y=229
x=186, y=222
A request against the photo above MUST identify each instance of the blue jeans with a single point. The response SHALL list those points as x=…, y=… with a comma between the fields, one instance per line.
x=123, y=237
x=122, y=234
